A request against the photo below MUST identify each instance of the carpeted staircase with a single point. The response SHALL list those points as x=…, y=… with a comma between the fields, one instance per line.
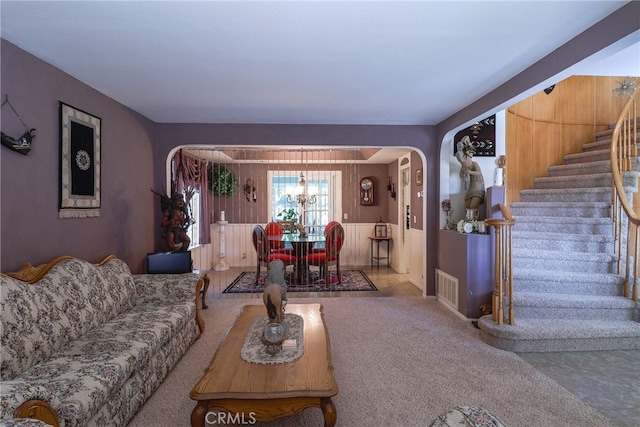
x=567, y=296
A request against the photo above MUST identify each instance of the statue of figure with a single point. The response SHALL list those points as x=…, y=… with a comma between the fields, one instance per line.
x=471, y=176
x=275, y=292
x=175, y=221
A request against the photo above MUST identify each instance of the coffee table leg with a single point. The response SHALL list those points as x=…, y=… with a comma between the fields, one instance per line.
x=329, y=412
x=197, y=415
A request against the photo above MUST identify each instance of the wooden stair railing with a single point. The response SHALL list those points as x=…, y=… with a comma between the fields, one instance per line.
x=503, y=278
x=626, y=217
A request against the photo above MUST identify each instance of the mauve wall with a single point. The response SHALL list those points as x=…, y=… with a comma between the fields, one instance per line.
x=238, y=210
x=30, y=228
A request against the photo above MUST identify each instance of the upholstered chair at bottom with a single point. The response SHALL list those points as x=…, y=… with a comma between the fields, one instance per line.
x=318, y=248
x=330, y=256
x=273, y=229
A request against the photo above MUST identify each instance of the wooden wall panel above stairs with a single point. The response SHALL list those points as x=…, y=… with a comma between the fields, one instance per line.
x=543, y=128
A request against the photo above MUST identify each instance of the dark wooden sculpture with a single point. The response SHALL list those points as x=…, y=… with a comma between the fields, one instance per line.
x=175, y=221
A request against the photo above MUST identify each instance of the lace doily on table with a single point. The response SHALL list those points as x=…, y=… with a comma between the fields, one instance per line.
x=255, y=351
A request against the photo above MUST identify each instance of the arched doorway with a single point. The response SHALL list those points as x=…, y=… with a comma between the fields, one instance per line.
x=261, y=164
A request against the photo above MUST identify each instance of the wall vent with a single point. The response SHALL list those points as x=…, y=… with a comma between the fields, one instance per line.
x=447, y=289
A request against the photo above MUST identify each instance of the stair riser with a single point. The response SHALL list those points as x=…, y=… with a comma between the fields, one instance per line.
x=562, y=266
x=586, y=157
x=603, y=144
x=603, y=139
x=524, y=285
x=570, y=212
x=563, y=245
x=571, y=313
x=572, y=170
x=559, y=227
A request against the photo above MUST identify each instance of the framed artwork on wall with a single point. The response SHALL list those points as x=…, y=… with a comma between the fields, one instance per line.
x=80, y=137
x=482, y=136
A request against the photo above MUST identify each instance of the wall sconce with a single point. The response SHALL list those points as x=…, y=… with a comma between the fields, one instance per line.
x=391, y=188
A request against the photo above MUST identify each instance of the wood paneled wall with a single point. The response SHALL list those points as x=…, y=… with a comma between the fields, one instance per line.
x=543, y=128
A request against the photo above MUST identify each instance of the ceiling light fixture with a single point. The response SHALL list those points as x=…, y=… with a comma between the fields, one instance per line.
x=301, y=195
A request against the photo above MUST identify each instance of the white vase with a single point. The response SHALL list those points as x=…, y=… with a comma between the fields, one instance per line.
x=498, y=178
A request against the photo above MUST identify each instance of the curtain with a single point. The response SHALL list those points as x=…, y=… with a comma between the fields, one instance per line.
x=190, y=172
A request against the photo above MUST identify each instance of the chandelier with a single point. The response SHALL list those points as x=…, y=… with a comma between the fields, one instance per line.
x=301, y=196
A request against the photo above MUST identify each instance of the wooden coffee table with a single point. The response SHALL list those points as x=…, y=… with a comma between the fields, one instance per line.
x=264, y=392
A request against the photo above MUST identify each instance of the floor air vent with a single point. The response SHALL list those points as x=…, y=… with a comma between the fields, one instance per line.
x=447, y=289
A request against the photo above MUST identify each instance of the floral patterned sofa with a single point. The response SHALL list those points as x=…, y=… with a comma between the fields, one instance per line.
x=86, y=344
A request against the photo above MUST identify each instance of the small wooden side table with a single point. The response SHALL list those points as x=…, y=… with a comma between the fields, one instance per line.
x=377, y=256
x=204, y=274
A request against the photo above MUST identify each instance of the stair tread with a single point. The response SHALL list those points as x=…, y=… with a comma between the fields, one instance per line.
x=525, y=273
x=568, y=190
x=586, y=165
x=558, y=300
x=555, y=204
x=556, y=219
x=562, y=236
x=589, y=153
x=568, y=177
x=561, y=255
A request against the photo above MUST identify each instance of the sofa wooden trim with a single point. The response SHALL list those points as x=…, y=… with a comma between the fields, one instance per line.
x=30, y=274
x=37, y=409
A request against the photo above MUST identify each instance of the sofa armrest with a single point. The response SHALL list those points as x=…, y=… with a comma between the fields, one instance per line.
x=165, y=288
x=20, y=399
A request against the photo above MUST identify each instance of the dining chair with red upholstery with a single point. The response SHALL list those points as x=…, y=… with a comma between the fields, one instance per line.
x=263, y=252
x=276, y=246
x=321, y=248
x=334, y=239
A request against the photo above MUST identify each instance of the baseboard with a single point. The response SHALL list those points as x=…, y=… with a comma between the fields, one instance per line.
x=454, y=311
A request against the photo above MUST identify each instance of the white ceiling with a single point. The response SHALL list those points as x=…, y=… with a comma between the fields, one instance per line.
x=320, y=62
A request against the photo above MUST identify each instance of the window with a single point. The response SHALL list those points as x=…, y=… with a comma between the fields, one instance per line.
x=324, y=185
x=194, y=212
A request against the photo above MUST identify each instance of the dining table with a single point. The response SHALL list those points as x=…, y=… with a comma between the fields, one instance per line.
x=302, y=245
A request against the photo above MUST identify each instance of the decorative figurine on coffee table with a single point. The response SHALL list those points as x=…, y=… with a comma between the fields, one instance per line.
x=275, y=300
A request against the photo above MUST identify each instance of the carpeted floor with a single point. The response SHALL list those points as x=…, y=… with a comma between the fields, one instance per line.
x=399, y=362
x=352, y=280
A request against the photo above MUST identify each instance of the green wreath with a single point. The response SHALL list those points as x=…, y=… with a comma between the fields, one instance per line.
x=221, y=181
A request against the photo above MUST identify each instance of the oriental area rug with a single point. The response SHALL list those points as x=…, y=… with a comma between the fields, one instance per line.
x=352, y=280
